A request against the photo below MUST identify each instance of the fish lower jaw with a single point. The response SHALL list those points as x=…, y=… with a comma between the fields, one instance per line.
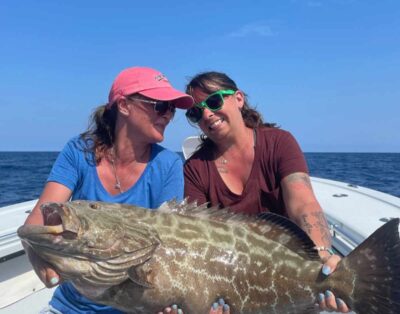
x=31, y=231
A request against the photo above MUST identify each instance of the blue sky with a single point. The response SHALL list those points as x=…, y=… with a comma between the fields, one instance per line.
x=328, y=71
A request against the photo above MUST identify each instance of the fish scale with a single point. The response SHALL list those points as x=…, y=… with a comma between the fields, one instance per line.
x=144, y=260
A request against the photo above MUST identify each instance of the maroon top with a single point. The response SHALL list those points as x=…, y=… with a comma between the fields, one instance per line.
x=277, y=155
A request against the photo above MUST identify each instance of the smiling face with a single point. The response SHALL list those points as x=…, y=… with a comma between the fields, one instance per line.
x=143, y=120
x=220, y=124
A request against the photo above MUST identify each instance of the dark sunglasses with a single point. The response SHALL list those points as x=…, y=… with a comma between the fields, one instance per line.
x=213, y=102
x=160, y=107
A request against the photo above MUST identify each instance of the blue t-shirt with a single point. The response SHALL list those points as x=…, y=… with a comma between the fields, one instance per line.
x=162, y=180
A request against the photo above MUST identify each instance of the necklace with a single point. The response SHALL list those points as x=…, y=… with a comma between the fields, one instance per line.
x=137, y=165
x=222, y=162
x=117, y=184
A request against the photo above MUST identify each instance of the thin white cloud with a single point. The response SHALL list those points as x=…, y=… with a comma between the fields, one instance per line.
x=253, y=29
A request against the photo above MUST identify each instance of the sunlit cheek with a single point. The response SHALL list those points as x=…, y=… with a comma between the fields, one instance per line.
x=148, y=117
x=202, y=125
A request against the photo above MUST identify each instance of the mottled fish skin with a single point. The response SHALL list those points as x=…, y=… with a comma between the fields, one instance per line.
x=140, y=261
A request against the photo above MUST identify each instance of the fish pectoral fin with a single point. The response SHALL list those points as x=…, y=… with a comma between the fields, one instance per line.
x=139, y=277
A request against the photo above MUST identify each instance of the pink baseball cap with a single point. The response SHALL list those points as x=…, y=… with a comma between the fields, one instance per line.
x=149, y=83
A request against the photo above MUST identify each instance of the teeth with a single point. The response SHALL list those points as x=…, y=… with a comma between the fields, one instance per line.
x=55, y=229
x=40, y=229
x=216, y=123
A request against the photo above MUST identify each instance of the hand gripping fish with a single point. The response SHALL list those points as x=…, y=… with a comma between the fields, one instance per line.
x=139, y=261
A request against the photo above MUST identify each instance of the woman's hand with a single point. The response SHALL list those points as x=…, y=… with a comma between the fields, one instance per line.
x=327, y=300
x=173, y=309
x=219, y=307
x=52, y=192
x=42, y=269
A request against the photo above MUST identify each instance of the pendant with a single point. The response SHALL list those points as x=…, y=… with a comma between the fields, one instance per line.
x=117, y=186
x=222, y=170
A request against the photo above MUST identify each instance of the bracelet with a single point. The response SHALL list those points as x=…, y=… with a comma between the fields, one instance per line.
x=324, y=248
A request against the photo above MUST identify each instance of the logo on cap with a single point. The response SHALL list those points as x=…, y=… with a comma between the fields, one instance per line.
x=161, y=77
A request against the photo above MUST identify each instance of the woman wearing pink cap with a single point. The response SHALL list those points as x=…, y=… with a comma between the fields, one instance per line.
x=116, y=160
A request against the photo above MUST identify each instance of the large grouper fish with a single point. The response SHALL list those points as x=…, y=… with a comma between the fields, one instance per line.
x=139, y=261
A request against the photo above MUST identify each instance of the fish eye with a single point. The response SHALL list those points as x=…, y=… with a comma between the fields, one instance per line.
x=94, y=206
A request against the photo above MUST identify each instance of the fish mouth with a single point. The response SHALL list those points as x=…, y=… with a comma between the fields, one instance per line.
x=58, y=220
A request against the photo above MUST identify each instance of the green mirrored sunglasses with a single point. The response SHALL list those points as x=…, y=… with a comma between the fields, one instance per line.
x=213, y=102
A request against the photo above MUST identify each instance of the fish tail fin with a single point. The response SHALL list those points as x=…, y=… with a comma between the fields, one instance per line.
x=375, y=264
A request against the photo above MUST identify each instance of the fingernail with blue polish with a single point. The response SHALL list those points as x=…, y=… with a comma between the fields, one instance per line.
x=328, y=294
x=180, y=311
x=221, y=301
x=54, y=280
x=215, y=306
x=225, y=307
x=326, y=270
x=339, y=302
x=174, y=307
x=321, y=297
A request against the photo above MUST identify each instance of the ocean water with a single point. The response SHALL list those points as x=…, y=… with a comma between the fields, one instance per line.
x=378, y=171
x=23, y=174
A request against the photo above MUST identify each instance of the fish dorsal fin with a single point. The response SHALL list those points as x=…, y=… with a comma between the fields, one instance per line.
x=183, y=207
x=287, y=233
x=191, y=209
x=275, y=227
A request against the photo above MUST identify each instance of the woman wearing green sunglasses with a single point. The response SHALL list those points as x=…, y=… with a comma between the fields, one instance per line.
x=252, y=167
